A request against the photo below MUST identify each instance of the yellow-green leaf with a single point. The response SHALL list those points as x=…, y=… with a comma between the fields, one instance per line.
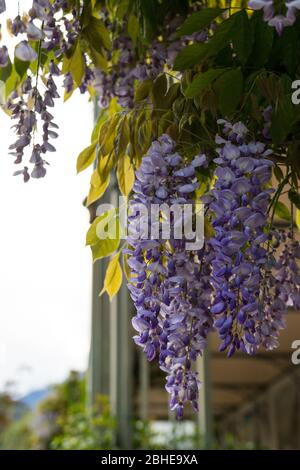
x=298, y=218
x=143, y=90
x=122, y=137
x=125, y=175
x=107, y=135
x=282, y=211
x=75, y=64
x=114, y=107
x=113, y=277
x=68, y=95
x=104, y=248
x=99, y=59
x=105, y=165
x=126, y=267
x=98, y=187
x=97, y=34
x=103, y=235
x=86, y=157
x=133, y=27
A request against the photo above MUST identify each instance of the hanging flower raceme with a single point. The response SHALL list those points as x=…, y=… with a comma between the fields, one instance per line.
x=27, y=105
x=287, y=272
x=238, y=205
x=169, y=284
x=2, y=6
x=119, y=80
x=28, y=110
x=279, y=14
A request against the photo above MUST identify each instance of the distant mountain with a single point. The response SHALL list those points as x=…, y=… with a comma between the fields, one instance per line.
x=33, y=398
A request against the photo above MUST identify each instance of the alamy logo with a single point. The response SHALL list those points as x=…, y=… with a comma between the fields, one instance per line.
x=154, y=222
x=296, y=354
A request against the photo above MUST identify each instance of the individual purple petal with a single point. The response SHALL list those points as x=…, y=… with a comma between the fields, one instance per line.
x=4, y=57
x=25, y=52
x=2, y=6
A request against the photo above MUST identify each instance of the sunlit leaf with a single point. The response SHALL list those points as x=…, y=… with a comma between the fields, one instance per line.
x=125, y=175
x=122, y=137
x=75, y=64
x=107, y=135
x=97, y=34
x=86, y=157
x=298, y=218
x=98, y=187
x=104, y=235
x=113, y=277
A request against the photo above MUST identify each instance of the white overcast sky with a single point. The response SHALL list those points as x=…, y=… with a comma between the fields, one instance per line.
x=45, y=268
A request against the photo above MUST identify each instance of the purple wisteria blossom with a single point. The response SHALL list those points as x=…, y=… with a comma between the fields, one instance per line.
x=25, y=52
x=279, y=14
x=27, y=120
x=4, y=57
x=120, y=80
x=2, y=6
x=238, y=204
x=169, y=286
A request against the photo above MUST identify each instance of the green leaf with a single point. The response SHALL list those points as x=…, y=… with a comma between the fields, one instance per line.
x=143, y=90
x=133, y=28
x=11, y=82
x=149, y=14
x=282, y=120
x=75, y=64
x=21, y=67
x=282, y=211
x=159, y=90
x=278, y=173
x=86, y=157
x=5, y=72
x=190, y=56
x=200, y=20
x=294, y=197
x=222, y=36
x=202, y=81
x=242, y=36
x=97, y=35
x=289, y=50
x=98, y=58
x=113, y=277
x=229, y=88
x=263, y=40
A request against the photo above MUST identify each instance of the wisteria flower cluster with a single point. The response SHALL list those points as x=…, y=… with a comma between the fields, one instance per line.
x=169, y=285
x=277, y=14
x=239, y=203
x=119, y=80
x=2, y=6
x=26, y=125
x=52, y=32
x=240, y=284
